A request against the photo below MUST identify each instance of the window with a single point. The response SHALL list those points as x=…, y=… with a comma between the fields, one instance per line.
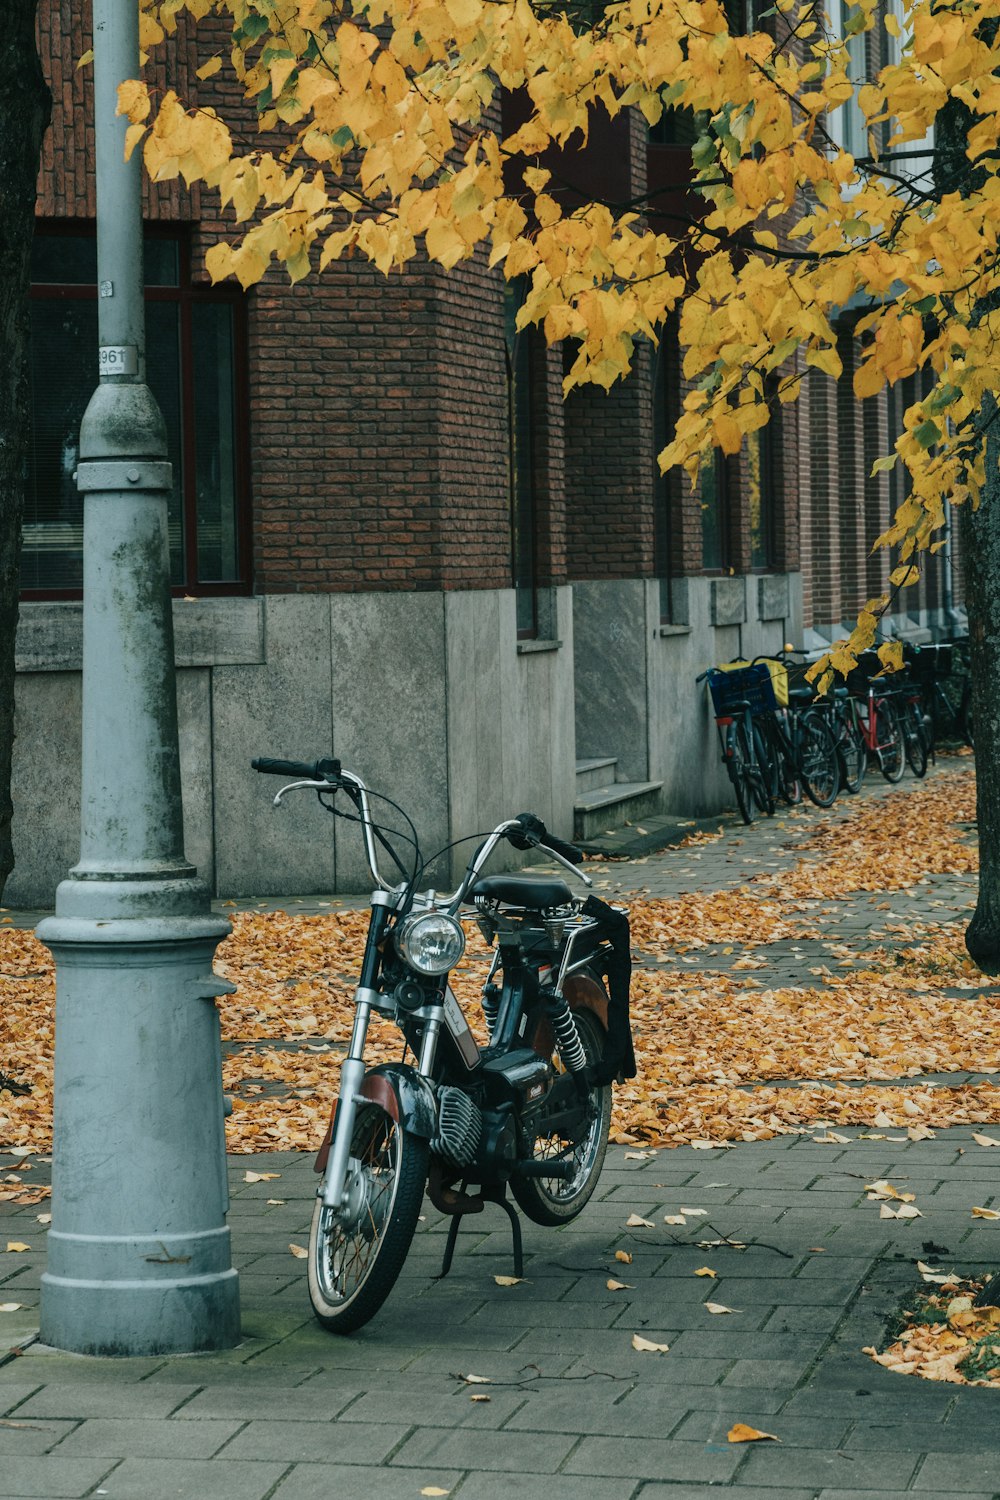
x=522, y=488
x=847, y=125
x=763, y=484
x=195, y=346
x=666, y=409
x=714, y=495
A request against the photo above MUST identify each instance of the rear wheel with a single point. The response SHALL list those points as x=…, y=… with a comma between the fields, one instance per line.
x=356, y=1252
x=764, y=772
x=738, y=766
x=557, y=1200
x=818, y=756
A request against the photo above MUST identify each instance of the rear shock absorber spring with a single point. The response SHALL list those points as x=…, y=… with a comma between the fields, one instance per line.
x=491, y=1005
x=568, y=1042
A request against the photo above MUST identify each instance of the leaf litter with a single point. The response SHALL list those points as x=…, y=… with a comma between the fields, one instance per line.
x=712, y=1048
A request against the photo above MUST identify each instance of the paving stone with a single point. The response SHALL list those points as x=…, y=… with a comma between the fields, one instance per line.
x=553, y=1487
x=768, y=1464
x=702, y=1492
x=649, y=1458
x=516, y=1453
x=59, y=1478
x=145, y=1438
x=292, y=1441
x=183, y=1479
x=349, y=1482
x=98, y=1398
x=793, y=1431
x=19, y=1435
x=271, y=1401
x=959, y=1471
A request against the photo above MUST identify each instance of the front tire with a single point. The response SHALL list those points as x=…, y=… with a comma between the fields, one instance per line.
x=554, y=1200
x=889, y=742
x=355, y=1259
x=915, y=740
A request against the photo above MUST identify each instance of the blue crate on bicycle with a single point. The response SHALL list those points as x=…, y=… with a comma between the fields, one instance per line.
x=734, y=686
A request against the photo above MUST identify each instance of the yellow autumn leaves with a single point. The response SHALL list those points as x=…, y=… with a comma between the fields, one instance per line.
x=390, y=143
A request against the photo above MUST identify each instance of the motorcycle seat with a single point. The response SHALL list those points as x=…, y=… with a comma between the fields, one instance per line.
x=522, y=890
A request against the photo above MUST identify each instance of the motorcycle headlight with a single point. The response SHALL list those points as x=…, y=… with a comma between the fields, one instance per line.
x=430, y=942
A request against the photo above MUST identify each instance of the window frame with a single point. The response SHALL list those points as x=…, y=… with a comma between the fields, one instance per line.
x=187, y=294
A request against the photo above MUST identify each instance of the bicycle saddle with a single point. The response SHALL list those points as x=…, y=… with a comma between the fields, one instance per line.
x=522, y=890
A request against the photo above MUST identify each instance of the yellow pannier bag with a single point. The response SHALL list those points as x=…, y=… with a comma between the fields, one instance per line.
x=778, y=671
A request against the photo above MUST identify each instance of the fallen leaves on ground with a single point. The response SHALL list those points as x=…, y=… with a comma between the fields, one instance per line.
x=949, y=1337
x=712, y=1048
x=741, y=1433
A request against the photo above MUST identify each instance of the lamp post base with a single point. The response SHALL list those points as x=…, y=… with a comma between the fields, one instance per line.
x=138, y=1254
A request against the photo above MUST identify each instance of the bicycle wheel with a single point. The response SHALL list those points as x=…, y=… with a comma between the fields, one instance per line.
x=557, y=1200
x=763, y=772
x=914, y=739
x=357, y=1252
x=851, y=753
x=738, y=766
x=818, y=759
x=888, y=742
x=784, y=781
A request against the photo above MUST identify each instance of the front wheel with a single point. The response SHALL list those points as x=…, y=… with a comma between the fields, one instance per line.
x=915, y=740
x=557, y=1200
x=852, y=754
x=889, y=742
x=356, y=1252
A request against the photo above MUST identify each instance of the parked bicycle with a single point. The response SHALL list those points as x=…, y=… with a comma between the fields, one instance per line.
x=877, y=716
x=802, y=749
x=941, y=673
x=531, y=1110
x=739, y=694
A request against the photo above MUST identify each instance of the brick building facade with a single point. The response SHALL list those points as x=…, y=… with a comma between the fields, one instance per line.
x=392, y=538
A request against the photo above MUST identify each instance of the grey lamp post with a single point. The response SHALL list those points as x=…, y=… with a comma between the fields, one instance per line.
x=139, y=1258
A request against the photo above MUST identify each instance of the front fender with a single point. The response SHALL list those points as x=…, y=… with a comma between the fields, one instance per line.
x=402, y=1093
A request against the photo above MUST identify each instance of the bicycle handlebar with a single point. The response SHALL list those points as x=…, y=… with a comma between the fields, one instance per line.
x=318, y=770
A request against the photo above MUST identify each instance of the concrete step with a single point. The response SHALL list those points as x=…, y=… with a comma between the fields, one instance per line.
x=606, y=807
x=596, y=772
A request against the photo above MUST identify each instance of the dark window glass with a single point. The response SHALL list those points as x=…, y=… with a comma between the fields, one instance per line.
x=194, y=373
x=714, y=517
x=163, y=372
x=666, y=408
x=522, y=495
x=64, y=259
x=676, y=127
x=215, y=442
x=63, y=375
x=762, y=490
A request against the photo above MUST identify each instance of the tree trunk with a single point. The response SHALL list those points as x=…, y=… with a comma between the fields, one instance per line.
x=981, y=557
x=25, y=106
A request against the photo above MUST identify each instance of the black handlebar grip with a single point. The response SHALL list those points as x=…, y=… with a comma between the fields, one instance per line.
x=568, y=851
x=319, y=770
x=535, y=833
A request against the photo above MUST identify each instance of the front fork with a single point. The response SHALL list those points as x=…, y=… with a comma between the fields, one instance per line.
x=334, y=1186
x=352, y=1073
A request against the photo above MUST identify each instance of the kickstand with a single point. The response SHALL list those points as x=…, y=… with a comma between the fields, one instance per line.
x=499, y=1197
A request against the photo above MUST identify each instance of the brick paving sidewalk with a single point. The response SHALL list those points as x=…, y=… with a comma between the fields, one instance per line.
x=574, y=1411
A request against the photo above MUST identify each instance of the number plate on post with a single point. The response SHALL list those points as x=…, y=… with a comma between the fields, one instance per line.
x=118, y=359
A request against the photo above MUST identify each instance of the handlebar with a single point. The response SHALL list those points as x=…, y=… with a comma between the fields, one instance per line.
x=526, y=831
x=318, y=770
